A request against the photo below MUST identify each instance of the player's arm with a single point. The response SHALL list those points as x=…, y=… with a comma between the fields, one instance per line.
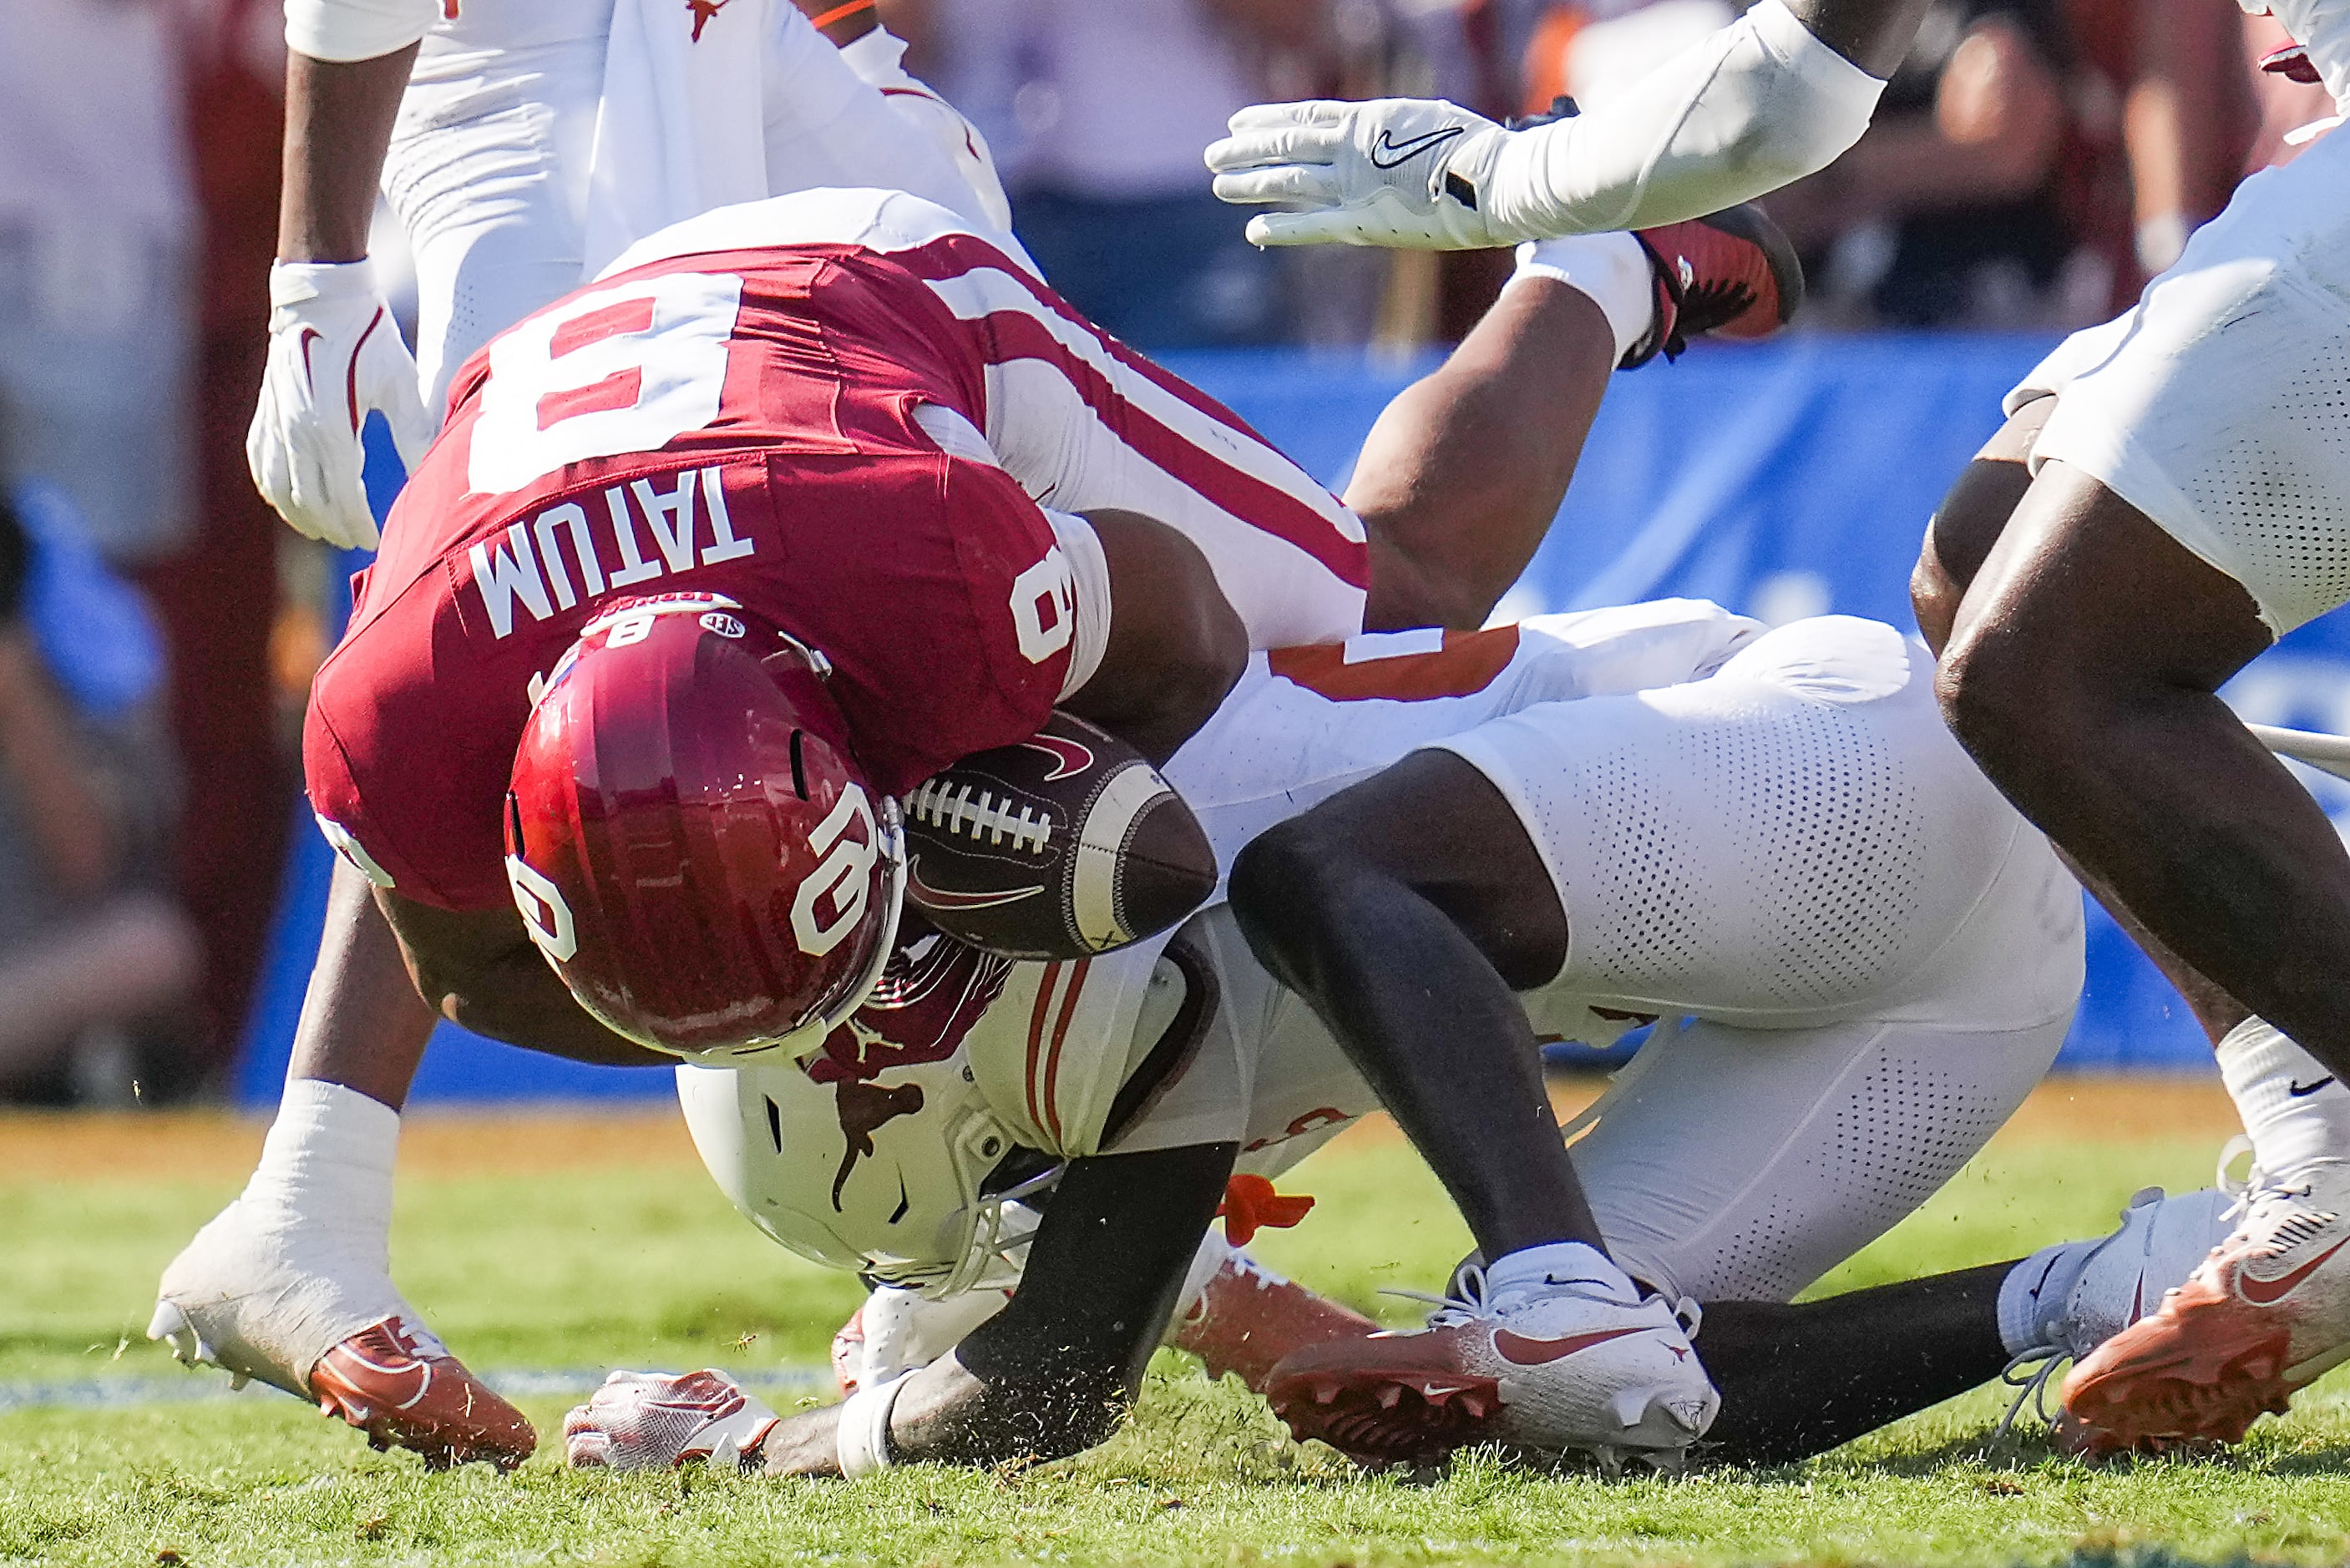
x=1052, y=1375
x=334, y=353
x=478, y=968
x=1778, y=94
x=1175, y=645
x=1055, y=1371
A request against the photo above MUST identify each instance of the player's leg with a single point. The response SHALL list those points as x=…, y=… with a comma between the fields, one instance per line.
x=2105, y=725
x=1465, y=472
x=2200, y=408
x=1407, y=911
x=488, y=173
x=1970, y=521
x=1800, y=1380
x=1958, y=541
x=1409, y=927
x=2184, y=513
x=291, y=1283
x=1739, y=1166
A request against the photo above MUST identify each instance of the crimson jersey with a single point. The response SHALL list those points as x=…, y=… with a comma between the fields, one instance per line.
x=737, y=423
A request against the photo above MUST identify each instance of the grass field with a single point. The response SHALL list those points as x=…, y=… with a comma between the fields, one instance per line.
x=560, y=1246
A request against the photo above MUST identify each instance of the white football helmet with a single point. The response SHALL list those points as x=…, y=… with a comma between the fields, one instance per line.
x=873, y=1153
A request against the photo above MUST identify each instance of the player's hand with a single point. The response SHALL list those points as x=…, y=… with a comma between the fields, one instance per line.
x=334, y=353
x=1395, y=172
x=657, y=1420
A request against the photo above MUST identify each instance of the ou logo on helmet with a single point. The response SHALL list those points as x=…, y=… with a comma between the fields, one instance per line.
x=843, y=876
x=544, y=915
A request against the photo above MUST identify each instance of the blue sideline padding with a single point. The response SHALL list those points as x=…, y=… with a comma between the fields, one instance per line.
x=1786, y=480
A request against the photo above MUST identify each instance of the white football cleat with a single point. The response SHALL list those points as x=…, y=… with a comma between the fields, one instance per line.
x=1582, y=1363
x=2267, y=1312
x=263, y=1292
x=2078, y=1294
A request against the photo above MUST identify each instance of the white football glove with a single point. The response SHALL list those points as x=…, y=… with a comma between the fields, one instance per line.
x=1401, y=172
x=334, y=353
x=658, y=1421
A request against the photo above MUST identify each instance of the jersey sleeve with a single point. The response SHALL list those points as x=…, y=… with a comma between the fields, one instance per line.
x=407, y=746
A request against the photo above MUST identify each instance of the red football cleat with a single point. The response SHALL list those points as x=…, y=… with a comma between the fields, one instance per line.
x=1730, y=274
x=403, y=1389
x=1248, y=1317
x=2266, y=1313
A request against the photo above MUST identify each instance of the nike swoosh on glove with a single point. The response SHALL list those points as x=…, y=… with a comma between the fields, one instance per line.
x=657, y=1420
x=334, y=353
x=1400, y=172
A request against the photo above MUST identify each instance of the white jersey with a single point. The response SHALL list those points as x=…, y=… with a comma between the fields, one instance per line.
x=1863, y=957
x=1869, y=958
x=538, y=139
x=1302, y=724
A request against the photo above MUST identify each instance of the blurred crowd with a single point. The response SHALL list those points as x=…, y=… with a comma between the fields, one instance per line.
x=2033, y=162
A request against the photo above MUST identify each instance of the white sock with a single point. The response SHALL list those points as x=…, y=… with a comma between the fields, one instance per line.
x=1611, y=269
x=1557, y=1263
x=2296, y=1111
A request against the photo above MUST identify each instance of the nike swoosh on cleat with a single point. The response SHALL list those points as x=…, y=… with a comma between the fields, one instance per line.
x=1401, y=152
x=2268, y=1292
x=397, y=1385
x=1520, y=1351
x=2298, y=1090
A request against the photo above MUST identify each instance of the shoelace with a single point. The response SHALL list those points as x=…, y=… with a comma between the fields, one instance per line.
x=2258, y=1188
x=1470, y=1298
x=1465, y=1300
x=2033, y=1388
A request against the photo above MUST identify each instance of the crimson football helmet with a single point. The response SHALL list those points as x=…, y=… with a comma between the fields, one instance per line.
x=691, y=842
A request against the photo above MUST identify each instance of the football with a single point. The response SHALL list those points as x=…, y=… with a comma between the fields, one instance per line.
x=1062, y=847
